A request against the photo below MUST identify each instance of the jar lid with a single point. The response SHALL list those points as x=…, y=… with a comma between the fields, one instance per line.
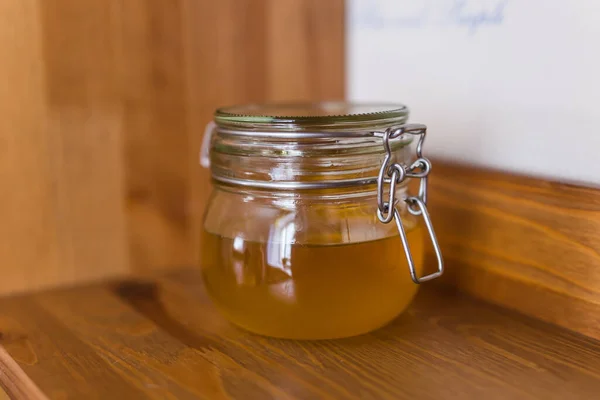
x=311, y=118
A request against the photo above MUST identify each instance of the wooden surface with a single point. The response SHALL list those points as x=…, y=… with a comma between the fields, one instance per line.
x=163, y=339
x=522, y=243
x=102, y=108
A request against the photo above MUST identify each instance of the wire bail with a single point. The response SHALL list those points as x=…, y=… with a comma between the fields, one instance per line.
x=392, y=174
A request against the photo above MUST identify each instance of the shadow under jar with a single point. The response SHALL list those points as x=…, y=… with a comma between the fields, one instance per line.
x=297, y=240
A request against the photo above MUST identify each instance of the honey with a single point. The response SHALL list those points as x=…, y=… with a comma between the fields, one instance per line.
x=310, y=291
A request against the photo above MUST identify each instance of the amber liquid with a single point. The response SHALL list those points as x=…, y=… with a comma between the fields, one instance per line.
x=310, y=291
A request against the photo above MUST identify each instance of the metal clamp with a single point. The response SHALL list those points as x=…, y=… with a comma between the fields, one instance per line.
x=393, y=173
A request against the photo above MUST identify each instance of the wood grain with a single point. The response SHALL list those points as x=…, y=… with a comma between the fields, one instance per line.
x=163, y=339
x=156, y=148
x=58, y=157
x=523, y=243
x=102, y=109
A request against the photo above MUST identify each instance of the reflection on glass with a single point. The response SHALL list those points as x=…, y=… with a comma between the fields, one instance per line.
x=238, y=261
x=278, y=263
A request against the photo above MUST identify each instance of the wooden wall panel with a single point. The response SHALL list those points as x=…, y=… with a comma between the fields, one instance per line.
x=523, y=243
x=305, y=50
x=83, y=123
x=60, y=168
x=154, y=100
x=28, y=236
x=102, y=109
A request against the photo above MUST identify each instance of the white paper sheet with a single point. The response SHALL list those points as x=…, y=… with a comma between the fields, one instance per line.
x=503, y=83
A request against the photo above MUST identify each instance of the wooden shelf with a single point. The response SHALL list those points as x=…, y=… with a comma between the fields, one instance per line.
x=520, y=242
x=162, y=338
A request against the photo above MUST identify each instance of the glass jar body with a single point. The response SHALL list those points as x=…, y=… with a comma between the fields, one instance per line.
x=306, y=265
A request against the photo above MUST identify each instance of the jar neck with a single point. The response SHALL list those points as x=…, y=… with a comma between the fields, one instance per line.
x=315, y=163
x=365, y=194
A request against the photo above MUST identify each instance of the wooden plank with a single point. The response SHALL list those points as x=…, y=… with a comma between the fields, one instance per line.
x=28, y=236
x=86, y=134
x=164, y=339
x=305, y=50
x=523, y=243
x=154, y=100
x=60, y=363
x=135, y=349
x=61, y=166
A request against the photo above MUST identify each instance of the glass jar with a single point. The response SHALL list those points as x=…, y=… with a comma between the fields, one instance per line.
x=296, y=238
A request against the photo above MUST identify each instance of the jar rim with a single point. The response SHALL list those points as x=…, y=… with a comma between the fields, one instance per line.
x=319, y=117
